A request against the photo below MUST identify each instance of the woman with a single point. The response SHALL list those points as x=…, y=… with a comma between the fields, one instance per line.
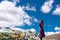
x=41, y=35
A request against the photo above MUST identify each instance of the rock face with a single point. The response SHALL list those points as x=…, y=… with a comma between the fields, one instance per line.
x=52, y=37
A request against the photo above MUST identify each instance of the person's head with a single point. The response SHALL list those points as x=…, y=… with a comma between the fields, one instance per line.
x=41, y=21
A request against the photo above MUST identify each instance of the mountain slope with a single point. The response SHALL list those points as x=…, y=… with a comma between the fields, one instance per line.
x=52, y=37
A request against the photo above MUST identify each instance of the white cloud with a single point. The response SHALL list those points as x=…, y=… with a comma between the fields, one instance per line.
x=32, y=30
x=15, y=0
x=27, y=7
x=51, y=33
x=5, y=30
x=35, y=20
x=17, y=29
x=47, y=6
x=57, y=28
x=57, y=11
x=24, y=30
x=11, y=16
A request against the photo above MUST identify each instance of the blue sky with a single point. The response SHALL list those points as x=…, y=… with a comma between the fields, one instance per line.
x=50, y=20
x=46, y=10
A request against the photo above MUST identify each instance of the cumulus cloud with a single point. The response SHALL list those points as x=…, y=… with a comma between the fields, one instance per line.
x=47, y=6
x=56, y=11
x=11, y=16
x=51, y=33
x=57, y=28
x=35, y=20
x=28, y=7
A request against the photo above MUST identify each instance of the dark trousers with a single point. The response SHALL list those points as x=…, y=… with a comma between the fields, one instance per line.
x=40, y=38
